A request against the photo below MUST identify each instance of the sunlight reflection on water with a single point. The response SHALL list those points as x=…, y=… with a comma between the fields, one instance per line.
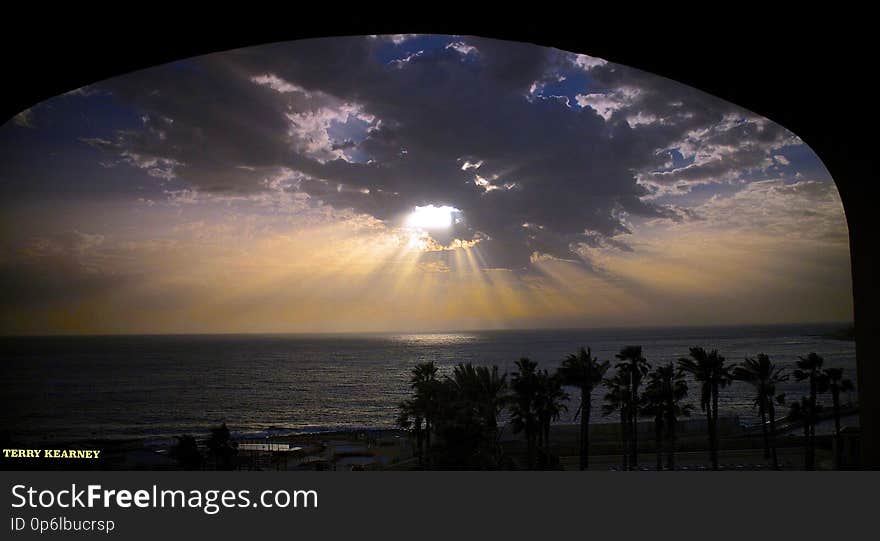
x=92, y=387
x=435, y=339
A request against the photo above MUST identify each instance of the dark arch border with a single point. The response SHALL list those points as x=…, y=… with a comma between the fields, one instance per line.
x=807, y=72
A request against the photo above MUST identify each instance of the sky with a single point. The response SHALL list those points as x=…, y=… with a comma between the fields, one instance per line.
x=409, y=183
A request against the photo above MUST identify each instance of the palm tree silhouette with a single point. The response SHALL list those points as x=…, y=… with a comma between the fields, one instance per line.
x=834, y=382
x=484, y=389
x=665, y=390
x=810, y=368
x=634, y=368
x=187, y=453
x=221, y=447
x=709, y=371
x=424, y=382
x=410, y=418
x=805, y=410
x=617, y=399
x=653, y=406
x=523, y=407
x=764, y=376
x=549, y=406
x=585, y=372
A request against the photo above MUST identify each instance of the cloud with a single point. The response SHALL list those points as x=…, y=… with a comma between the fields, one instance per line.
x=278, y=85
x=606, y=104
x=774, y=251
x=155, y=166
x=462, y=47
x=381, y=132
x=717, y=142
x=587, y=62
x=804, y=210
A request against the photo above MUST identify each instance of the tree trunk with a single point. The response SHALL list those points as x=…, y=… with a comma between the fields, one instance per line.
x=492, y=423
x=586, y=406
x=420, y=443
x=709, y=430
x=634, y=421
x=763, y=401
x=670, y=430
x=427, y=442
x=811, y=422
x=634, y=427
x=775, y=458
x=658, y=438
x=540, y=435
x=623, y=439
x=807, y=464
x=547, y=444
x=835, y=404
x=714, y=430
x=583, y=438
x=531, y=448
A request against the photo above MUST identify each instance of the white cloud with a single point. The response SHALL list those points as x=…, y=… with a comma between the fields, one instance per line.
x=278, y=84
x=587, y=62
x=642, y=119
x=606, y=104
x=401, y=62
x=462, y=47
x=310, y=130
x=471, y=165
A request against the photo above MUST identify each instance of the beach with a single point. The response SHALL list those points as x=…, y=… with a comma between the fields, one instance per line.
x=393, y=449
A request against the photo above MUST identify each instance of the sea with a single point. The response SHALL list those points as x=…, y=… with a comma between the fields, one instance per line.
x=86, y=388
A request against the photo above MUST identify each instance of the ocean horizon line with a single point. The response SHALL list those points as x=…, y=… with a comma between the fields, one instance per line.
x=435, y=331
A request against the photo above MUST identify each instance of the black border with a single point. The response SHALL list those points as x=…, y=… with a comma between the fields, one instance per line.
x=807, y=68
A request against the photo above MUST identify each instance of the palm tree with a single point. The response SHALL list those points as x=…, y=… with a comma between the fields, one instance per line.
x=484, y=389
x=665, y=390
x=424, y=382
x=617, y=399
x=221, y=448
x=653, y=406
x=523, y=410
x=186, y=451
x=493, y=393
x=549, y=406
x=805, y=410
x=764, y=376
x=834, y=381
x=410, y=418
x=810, y=368
x=709, y=371
x=585, y=372
x=634, y=367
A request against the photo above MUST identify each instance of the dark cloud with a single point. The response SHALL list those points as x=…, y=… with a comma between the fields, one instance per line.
x=721, y=140
x=380, y=136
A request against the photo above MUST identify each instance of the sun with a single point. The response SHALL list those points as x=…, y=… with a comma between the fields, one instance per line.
x=431, y=217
